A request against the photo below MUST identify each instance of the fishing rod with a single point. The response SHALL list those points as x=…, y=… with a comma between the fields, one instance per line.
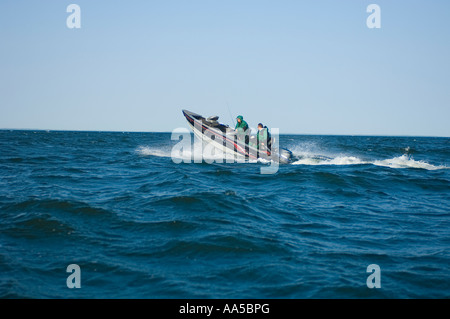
x=229, y=112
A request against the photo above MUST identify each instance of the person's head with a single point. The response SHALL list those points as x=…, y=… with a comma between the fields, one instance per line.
x=239, y=118
x=260, y=127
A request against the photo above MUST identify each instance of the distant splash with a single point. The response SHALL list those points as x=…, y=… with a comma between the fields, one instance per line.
x=304, y=155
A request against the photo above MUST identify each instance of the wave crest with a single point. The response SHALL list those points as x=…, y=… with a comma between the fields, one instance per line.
x=405, y=161
x=340, y=160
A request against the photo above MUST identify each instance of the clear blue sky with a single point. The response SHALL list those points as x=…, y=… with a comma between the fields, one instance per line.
x=307, y=67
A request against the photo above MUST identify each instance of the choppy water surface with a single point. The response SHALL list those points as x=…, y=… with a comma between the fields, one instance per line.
x=141, y=226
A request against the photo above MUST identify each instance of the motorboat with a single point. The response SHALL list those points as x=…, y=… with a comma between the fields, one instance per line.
x=239, y=145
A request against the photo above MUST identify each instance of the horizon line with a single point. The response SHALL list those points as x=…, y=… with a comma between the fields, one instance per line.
x=167, y=132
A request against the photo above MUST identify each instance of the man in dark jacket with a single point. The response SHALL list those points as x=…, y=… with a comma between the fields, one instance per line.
x=263, y=138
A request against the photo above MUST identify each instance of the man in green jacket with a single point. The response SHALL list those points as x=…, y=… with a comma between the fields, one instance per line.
x=242, y=129
x=241, y=125
x=263, y=138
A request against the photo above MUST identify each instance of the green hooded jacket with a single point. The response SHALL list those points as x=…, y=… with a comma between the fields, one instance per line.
x=241, y=126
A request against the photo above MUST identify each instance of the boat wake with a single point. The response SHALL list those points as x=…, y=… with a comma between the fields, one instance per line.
x=322, y=160
x=403, y=161
x=300, y=157
x=191, y=155
x=406, y=161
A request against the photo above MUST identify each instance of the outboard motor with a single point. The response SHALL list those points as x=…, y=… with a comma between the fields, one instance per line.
x=285, y=156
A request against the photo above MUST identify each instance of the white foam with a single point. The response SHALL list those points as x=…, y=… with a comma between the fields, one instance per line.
x=150, y=151
x=406, y=162
x=340, y=160
x=305, y=154
x=305, y=149
x=403, y=161
x=197, y=152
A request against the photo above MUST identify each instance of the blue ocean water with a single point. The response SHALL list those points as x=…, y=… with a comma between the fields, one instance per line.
x=141, y=226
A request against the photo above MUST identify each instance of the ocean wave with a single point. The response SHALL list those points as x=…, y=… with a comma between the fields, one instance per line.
x=39, y=226
x=405, y=161
x=38, y=206
x=140, y=226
